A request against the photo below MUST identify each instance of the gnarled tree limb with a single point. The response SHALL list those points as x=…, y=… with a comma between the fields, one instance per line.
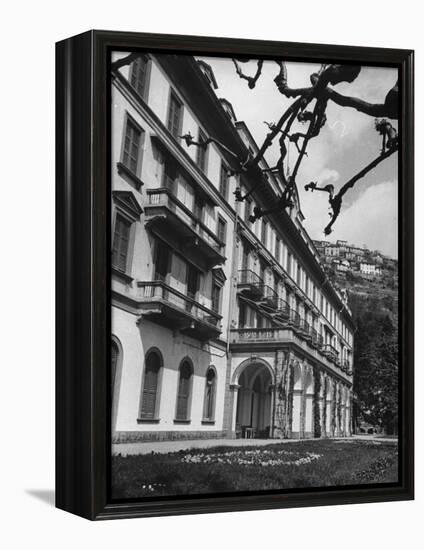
x=336, y=201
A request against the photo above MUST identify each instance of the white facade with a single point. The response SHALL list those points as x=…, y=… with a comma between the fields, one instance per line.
x=220, y=327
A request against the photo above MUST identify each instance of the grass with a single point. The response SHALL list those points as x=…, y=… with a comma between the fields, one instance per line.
x=301, y=464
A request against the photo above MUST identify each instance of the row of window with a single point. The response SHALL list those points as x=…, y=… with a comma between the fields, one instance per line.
x=133, y=133
x=250, y=317
x=272, y=279
x=152, y=381
x=131, y=158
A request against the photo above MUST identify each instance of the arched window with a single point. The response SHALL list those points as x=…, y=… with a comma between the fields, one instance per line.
x=210, y=391
x=184, y=391
x=153, y=364
x=114, y=355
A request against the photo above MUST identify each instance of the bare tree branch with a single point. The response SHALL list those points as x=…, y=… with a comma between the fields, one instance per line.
x=336, y=201
x=251, y=80
x=127, y=60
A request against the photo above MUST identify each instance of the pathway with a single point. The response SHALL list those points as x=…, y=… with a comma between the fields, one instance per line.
x=147, y=447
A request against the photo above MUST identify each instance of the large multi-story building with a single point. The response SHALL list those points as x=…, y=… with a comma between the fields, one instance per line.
x=220, y=327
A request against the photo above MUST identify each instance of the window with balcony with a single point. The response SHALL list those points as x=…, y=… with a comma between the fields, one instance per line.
x=184, y=391
x=132, y=147
x=193, y=279
x=223, y=181
x=175, y=111
x=149, y=394
x=202, y=152
x=210, y=393
x=246, y=316
x=162, y=261
x=139, y=74
x=169, y=176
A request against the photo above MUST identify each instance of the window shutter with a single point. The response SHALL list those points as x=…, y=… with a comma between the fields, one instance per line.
x=113, y=364
x=139, y=74
x=174, y=116
x=131, y=150
x=183, y=392
x=121, y=243
x=223, y=182
x=150, y=386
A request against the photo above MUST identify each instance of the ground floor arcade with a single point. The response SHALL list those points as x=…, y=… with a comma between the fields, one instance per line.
x=165, y=386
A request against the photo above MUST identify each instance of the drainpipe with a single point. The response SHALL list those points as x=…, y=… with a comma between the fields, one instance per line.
x=233, y=278
x=274, y=395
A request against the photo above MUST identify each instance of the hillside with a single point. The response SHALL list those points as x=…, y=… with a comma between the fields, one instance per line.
x=374, y=304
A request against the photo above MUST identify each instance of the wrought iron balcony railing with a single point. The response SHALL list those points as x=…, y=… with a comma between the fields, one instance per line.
x=165, y=209
x=330, y=352
x=250, y=284
x=176, y=310
x=269, y=298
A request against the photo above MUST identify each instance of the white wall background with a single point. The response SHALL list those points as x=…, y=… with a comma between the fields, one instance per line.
x=29, y=30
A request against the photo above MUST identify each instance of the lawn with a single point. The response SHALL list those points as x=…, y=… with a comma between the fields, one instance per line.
x=300, y=464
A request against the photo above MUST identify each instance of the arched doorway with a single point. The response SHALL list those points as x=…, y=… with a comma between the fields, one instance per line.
x=253, y=417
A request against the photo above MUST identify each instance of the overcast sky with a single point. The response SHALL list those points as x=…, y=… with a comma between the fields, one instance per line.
x=347, y=143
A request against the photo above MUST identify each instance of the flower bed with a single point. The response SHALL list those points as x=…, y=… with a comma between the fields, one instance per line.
x=255, y=457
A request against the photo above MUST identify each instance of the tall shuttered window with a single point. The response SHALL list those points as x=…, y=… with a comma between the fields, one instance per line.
x=202, y=152
x=150, y=386
x=247, y=209
x=121, y=240
x=138, y=75
x=132, y=145
x=264, y=232
x=216, y=297
x=184, y=391
x=277, y=249
x=222, y=230
x=162, y=261
x=223, y=182
x=174, y=116
x=169, y=174
x=114, y=355
x=210, y=391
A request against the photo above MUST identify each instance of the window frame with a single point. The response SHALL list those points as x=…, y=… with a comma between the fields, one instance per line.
x=120, y=216
x=210, y=419
x=116, y=383
x=264, y=233
x=173, y=95
x=226, y=178
x=145, y=95
x=202, y=152
x=128, y=212
x=221, y=220
x=187, y=419
x=277, y=249
x=130, y=120
x=155, y=419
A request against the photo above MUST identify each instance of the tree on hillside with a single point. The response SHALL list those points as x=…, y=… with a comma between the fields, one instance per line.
x=376, y=369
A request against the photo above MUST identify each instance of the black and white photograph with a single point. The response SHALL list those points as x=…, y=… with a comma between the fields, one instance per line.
x=254, y=275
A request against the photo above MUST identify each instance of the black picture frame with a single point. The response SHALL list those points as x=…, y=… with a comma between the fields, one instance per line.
x=82, y=271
